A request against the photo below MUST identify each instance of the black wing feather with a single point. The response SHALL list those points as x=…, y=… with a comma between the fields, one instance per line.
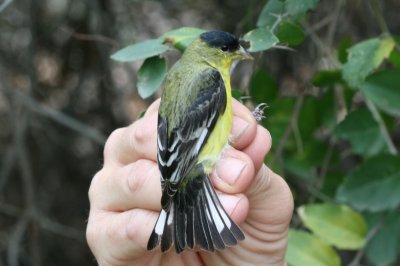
x=178, y=149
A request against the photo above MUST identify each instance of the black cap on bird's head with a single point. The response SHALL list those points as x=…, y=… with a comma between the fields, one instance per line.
x=228, y=45
x=221, y=39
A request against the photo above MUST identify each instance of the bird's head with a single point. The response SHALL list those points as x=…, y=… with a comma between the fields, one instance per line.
x=219, y=48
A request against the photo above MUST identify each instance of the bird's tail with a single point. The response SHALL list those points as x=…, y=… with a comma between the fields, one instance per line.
x=195, y=218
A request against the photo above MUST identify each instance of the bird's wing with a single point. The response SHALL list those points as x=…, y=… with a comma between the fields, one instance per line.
x=178, y=149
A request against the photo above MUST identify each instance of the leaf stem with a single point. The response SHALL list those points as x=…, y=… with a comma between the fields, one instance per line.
x=385, y=134
x=379, y=16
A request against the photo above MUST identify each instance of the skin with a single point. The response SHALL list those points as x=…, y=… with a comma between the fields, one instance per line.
x=125, y=198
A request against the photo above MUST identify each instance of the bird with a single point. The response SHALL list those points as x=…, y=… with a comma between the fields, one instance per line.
x=193, y=129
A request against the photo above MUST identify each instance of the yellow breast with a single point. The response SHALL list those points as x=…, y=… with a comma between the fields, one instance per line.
x=219, y=137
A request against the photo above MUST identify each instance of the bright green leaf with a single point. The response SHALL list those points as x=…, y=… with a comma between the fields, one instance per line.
x=306, y=249
x=263, y=88
x=374, y=186
x=360, y=128
x=382, y=249
x=295, y=7
x=260, y=39
x=364, y=57
x=290, y=33
x=182, y=37
x=140, y=51
x=150, y=76
x=383, y=89
x=270, y=12
x=338, y=225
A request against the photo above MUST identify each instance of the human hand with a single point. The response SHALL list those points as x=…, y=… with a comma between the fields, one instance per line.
x=125, y=198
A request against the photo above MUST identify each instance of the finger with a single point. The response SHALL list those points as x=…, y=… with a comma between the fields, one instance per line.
x=259, y=147
x=244, y=126
x=136, y=185
x=138, y=141
x=233, y=172
x=120, y=237
x=124, y=235
x=271, y=200
x=153, y=108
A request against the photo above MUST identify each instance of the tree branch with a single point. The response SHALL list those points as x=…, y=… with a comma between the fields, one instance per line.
x=385, y=134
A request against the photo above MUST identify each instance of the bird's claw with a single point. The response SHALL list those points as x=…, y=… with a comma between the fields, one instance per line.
x=258, y=112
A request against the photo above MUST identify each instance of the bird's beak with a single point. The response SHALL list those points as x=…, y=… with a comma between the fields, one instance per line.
x=243, y=54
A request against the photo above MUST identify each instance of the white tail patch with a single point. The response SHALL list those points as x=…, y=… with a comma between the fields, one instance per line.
x=219, y=223
x=159, y=228
x=171, y=215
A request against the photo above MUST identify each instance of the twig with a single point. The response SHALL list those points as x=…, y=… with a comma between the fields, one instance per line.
x=279, y=19
x=378, y=118
x=297, y=137
x=370, y=235
x=62, y=230
x=4, y=5
x=45, y=223
x=379, y=16
x=332, y=26
x=7, y=165
x=289, y=128
x=15, y=240
x=90, y=37
x=63, y=119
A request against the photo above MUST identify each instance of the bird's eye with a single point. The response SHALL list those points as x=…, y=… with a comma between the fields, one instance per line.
x=224, y=48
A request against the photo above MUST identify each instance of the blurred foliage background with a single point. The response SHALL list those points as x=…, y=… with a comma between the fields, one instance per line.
x=328, y=70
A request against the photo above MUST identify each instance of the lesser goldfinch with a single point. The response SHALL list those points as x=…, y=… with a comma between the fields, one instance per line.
x=194, y=123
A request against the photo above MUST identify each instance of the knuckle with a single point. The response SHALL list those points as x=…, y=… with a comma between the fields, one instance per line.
x=138, y=132
x=139, y=174
x=112, y=141
x=93, y=186
x=132, y=231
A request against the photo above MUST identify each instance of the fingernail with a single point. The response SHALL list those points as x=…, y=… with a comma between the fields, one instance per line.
x=230, y=202
x=229, y=169
x=239, y=127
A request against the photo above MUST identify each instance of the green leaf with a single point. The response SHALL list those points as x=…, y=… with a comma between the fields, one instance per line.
x=260, y=39
x=295, y=7
x=269, y=13
x=306, y=249
x=394, y=58
x=150, y=76
x=360, y=128
x=364, y=57
x=383, y=89
x=338, y=225
x=374, y=186
x=278, y=117
x=382, y=249
x=182, y=37
x=304, y=164
x=140, y=51
x=237, y=94
x=327, y=78
x=290, y=33
x=343, y=46
x=263, y=88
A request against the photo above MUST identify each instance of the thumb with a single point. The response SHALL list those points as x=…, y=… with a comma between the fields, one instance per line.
x=271, y=201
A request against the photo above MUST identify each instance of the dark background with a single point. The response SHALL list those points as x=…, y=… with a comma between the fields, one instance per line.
x=61, y=96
